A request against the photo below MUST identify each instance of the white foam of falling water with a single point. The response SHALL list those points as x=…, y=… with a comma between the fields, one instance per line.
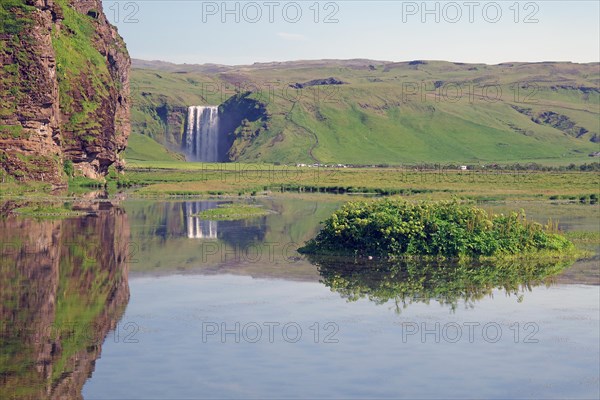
x=189, y=137
x=202, y=134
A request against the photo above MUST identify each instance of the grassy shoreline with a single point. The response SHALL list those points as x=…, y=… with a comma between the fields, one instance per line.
x=475, y=185
x=177, y=179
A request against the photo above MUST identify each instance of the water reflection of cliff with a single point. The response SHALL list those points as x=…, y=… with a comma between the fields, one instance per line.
x=63, y=287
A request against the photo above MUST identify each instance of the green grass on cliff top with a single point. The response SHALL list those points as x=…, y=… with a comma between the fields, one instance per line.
x=80, y=65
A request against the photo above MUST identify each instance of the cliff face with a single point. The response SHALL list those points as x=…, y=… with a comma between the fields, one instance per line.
x=244, y=120
x=64, y=89
x=241, y=120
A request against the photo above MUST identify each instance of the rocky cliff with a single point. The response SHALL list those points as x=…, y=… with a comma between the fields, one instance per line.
x=64, y=90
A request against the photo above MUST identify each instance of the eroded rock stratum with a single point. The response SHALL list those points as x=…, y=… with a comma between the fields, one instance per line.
x=64, y=90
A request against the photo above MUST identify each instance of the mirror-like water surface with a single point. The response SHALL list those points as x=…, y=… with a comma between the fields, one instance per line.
x=199, y=338
x=143, y=299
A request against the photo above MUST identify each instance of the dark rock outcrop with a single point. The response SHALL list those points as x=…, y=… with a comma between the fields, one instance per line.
x=244, y=119
x=557, y=121
x=317, y=82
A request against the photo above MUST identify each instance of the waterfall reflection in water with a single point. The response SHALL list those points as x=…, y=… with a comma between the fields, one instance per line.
x=196, y=227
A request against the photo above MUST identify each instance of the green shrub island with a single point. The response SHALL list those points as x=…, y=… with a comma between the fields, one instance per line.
x=392, y=228
x=232, y=212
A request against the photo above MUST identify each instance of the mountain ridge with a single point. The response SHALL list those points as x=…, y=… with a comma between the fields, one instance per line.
x=157, y=64
x=392, y=112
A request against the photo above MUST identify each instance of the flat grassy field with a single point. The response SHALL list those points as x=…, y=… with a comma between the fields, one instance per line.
x=188, y=179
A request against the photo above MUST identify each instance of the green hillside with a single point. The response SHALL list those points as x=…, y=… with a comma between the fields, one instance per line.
x=142, y=147
x=419, y=111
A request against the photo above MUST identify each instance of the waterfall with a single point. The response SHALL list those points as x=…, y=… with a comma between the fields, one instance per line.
x=202, y=135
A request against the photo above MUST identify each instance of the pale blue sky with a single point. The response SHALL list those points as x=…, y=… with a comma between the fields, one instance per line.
x=193, y=31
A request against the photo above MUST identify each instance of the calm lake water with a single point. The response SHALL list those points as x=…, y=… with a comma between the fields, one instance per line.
x=142, y=299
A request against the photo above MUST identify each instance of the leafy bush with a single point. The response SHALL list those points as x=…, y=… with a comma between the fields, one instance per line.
x=68, y=168
x=393, y=228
